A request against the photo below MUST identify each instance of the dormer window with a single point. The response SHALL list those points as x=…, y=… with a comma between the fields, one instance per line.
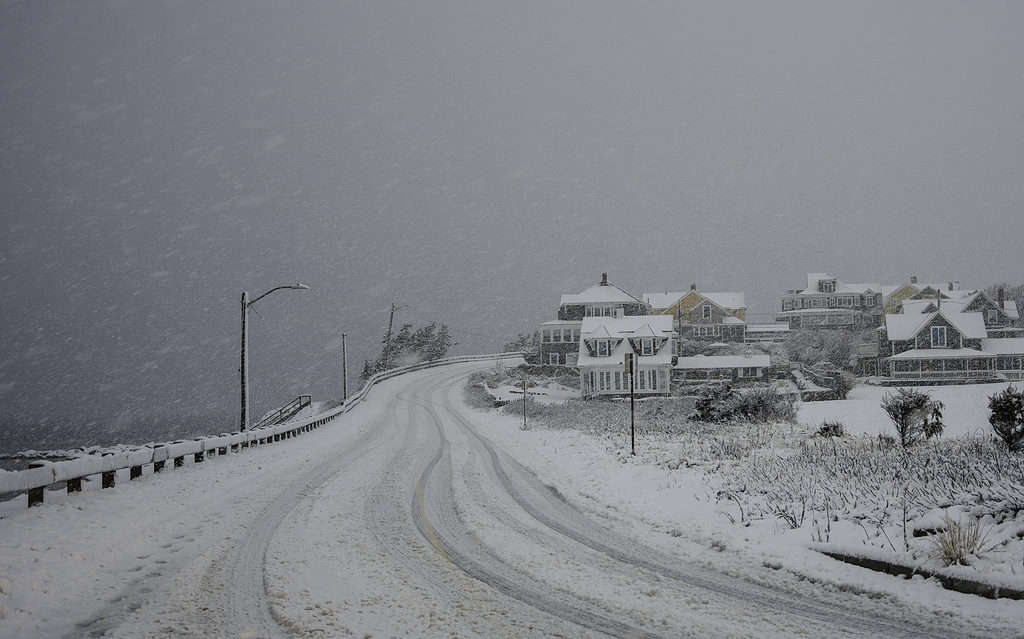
x=828, y=286
x=993, y=316
x=602, y=348
x=706, y=311
x=647, y=346
x=938, y=337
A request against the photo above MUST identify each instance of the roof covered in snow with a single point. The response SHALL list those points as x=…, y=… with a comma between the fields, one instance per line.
x=940, y=353
x=1003, y=345
x=728, y=300
x=903, y=326
x=709, y=362
x=622, y=329
x=1010, y=308
x=629, y=326
x=778, y=327
x=600, y=294
x=841, y=287
x=918, y=306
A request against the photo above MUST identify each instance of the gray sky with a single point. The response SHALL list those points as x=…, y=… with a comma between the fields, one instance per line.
x=471, y=161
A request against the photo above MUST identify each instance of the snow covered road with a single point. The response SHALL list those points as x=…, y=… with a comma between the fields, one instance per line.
x=399, y=519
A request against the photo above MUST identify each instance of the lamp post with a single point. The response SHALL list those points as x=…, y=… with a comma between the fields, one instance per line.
x=243, y=369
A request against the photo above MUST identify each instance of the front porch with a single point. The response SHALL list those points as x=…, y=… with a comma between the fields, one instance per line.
x=939, y=366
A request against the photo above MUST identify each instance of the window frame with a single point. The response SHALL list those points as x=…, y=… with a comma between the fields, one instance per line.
x=939, y=330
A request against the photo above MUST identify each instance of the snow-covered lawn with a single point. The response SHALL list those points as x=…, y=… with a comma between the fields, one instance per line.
x=760, y=501
x=965, y=412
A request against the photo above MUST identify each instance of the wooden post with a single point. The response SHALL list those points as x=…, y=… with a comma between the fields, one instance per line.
x=134, y=472
x=107, y=479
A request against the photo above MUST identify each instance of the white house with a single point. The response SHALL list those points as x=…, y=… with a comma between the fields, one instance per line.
x=604, y=343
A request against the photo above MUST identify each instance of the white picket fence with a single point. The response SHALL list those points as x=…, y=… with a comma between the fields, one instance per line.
x=33, y=482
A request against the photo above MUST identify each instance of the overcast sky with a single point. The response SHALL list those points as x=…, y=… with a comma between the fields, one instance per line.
x=470, y=161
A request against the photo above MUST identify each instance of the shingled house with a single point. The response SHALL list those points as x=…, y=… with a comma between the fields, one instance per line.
x=942, y=346
x=604, y=343
x=827, y=303
x=560, y=338
x=703, y=316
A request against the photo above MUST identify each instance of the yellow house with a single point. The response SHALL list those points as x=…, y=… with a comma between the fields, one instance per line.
x=703, y=316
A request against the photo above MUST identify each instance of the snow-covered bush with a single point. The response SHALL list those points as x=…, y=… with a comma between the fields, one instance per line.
x=1007, y=417
x=759, y=404
x=831, y=429
x=915, y=414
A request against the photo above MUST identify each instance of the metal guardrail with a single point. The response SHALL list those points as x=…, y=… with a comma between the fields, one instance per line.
x=40, y=475
x=286, y=412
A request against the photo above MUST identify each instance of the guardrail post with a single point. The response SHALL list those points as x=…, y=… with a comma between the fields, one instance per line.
x=35, y=496
x=135, y=472
x=74, y=485
x=107, y=479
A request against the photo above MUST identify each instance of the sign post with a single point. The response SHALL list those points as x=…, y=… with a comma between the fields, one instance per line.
x=524, y=400
x=632, y=404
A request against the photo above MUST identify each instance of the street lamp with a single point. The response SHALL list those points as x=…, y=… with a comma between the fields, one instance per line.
x=243, y=369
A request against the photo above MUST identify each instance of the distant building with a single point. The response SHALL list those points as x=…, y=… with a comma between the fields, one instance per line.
x=604, y=343
x=733, y=368
x=827, y=303
x=560, y=338
x=703, y=316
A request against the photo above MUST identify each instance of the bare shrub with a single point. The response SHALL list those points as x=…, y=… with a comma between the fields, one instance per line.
x=831, y=429
x=1007, y=417
x=959, y=541
x=915, y=414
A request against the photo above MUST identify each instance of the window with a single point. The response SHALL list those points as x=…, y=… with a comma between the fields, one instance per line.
x=647, y=346
x=828, y=286
x=869, y=300
x=556, y=335
x=618, y=380
x=749, y=371
x=706, y=311
x=602, y=348
x=642, y=381
x=663, y=379
x=553, y=359
x=938, y=337
x=547, y=336
x=654, y=379
x=993, y=316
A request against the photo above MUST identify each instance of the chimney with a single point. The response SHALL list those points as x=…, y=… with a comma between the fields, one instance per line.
x=693, y=286
x=938, y=300
x=956, y=285
x=949, y=285
x=913, y=279
x=604, y=279
x=1002, y=297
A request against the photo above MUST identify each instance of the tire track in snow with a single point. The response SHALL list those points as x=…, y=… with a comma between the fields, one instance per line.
x=550, y=509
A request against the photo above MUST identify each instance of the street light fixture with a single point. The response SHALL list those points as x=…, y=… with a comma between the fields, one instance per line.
x=243, y=369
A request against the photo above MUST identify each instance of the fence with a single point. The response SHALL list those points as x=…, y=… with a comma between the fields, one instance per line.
x=35, y=480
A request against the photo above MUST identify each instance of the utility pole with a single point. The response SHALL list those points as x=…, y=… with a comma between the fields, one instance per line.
x=387, y=336
x=632, y=403
x=243, y=369
x=524, y=400
x=344, y=370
